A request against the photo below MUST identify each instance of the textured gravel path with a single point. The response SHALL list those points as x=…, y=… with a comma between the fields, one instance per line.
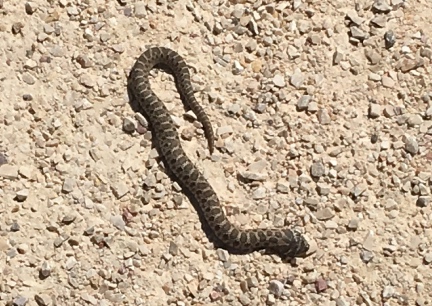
x=323, y=117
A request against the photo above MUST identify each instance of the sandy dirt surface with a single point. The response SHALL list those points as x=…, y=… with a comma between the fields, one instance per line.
x=323, y=116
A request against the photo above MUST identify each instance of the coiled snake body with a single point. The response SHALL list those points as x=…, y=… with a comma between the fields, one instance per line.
x=284, y=242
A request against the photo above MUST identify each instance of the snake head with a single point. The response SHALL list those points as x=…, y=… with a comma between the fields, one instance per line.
x=294, y=244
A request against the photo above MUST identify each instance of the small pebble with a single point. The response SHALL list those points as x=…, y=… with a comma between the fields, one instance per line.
x=390, y=39
x=118, y=222
x=30, y=8
x=20, y=301
x=129, y=125
x=14, y=227
x=423, y=201
x=17, y=27
x=411, y=145
x=279, y=80
x=323, y=117
x=276, y=287
x=297, y=79
x=374, y=111
x=8, y=172
x=324, y=214
x=353, y=224
x=68, y=185
x=320, y=285
x=22, y=195
x=317, y=169
x=303, y=102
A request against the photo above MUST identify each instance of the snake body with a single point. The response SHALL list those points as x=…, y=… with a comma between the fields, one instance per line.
x=283, y=242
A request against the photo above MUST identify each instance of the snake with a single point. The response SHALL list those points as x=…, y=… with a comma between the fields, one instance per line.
x=284, y=242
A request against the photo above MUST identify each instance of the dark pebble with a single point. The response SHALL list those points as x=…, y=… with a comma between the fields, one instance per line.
x=15, y=227
x=27, y=97
x=389, y=39
x=3, y=159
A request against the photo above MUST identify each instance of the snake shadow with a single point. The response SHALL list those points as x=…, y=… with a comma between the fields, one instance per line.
x=217, y=243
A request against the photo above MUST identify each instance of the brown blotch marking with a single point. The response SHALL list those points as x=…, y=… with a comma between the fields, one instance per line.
x=285, y=240
x=226, y=227
x=194, y=175
x=243, y=238
x=207, y=193
x=253, y=238
x=172, y=163
x=273, y=240
x=178, y=168
x=189, y=166
x=234, y=234
x=212, y=203
x=202, y=185
x=192, y=184
x=215, y=210
x=165, y=145
x=236, y=243
x=165, y=125
x=261, y=236
x=219, y=219
x=184, y=162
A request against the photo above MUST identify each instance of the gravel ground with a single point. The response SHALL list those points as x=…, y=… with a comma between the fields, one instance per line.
x=323, y=112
